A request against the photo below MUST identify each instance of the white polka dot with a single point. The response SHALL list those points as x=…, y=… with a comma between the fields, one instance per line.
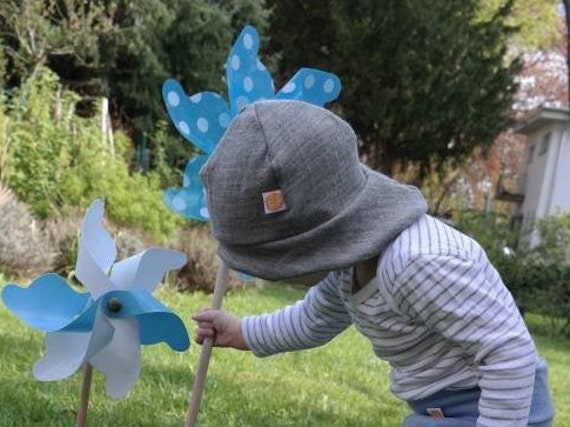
x=202, y=125
x=248, y=84
x=328, y=86
x=204, y=212
x=260, y=65
x=242, y=101
x=173, y=99
x=309, y=81
x=183, y=127
x=248, y=41
x=288, y=88
x=196, y=98
x=179, y=203
x=224, y=120
x=235, y=62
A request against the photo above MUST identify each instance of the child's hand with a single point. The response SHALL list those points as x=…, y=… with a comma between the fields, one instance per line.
x=224, y=328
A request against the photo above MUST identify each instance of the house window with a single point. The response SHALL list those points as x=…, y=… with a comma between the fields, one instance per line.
x=530, y=153
x=544, y=144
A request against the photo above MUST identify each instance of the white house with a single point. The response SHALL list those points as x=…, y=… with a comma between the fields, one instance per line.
x=544, y=182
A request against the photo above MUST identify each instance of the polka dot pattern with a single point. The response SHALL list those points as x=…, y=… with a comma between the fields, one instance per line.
x=201, y=118
x=313, y=86
x=248, y=79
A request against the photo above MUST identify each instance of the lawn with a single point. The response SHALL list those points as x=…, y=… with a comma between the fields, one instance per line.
x=341, y=384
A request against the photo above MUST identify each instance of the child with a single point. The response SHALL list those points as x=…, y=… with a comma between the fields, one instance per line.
x=289, y=200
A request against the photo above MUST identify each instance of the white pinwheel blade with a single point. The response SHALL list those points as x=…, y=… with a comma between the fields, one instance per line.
x=65, y=352
x=120, y=360
x=144, y=271
x=97, y=251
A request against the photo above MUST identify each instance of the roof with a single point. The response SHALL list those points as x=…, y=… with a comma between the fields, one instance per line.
x=544, y=117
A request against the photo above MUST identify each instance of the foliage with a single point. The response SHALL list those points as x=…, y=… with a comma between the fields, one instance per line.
x=526, y=15
x=555, y=238
x=422, y=82
x=340, y=385
x=58, y=162
x=40, y=31
x=199, y=274
x=539, y=278
x=492, y=231
x=169, y=155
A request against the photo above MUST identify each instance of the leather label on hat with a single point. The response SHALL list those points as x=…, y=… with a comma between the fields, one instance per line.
x=273, y=201
x=436, y=413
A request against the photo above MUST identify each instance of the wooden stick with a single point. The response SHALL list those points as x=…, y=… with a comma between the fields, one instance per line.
x=85, y=391
x=200, y=378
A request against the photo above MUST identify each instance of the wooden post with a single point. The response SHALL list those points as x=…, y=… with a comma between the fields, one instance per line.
x=85, y=391
x=200, y=378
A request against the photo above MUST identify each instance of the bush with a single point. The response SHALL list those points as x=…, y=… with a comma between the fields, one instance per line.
x=201, y=270
x=539, y=279
x=24, y=246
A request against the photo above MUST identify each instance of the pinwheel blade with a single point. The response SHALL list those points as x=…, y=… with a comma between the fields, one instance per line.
x=201, y=119
x=144, y=271
x=190, y=200
x=248, y=79
x=65, y=352
x=157, y=323
x=313, y=86
x=97, y=251
x=120, y=360
x=48, y=304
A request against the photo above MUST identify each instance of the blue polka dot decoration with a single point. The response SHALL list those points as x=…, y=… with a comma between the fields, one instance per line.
x=190, y=200
x=201, y=118
x=313, y=86
x=248, y=79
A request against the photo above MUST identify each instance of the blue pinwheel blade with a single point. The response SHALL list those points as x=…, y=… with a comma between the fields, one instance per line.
x=157, y=323
x=248, y=79
x=190, y=200
x=313, y=86
x=152, y=327
x=201, y=118
x=49, y=304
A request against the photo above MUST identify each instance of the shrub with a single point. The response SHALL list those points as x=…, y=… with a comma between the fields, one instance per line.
x=24, y=246
x=201, y=270
x=539, y=279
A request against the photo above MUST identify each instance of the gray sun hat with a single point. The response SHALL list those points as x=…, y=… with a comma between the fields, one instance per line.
x=288, y=195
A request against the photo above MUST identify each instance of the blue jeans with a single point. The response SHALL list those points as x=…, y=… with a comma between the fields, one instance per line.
x=461, y=407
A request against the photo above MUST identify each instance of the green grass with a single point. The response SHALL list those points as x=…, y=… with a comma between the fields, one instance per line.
x=341, y=384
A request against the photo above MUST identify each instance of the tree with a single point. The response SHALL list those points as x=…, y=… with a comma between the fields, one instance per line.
x=423, y=82
x=36, y=32
x=537, y=21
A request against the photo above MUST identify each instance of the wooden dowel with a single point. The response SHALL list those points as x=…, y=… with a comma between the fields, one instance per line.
x=204, y=361
x=85, y=391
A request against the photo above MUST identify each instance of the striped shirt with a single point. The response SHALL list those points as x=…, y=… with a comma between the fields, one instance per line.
x=437, y=311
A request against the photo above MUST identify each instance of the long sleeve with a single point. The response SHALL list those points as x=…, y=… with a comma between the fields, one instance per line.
x=466, y=302
x=311, y=322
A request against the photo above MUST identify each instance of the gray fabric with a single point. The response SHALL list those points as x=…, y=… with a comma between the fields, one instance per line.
x=338, y=210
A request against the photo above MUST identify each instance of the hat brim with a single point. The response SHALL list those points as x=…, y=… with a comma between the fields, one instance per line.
x=367, y=225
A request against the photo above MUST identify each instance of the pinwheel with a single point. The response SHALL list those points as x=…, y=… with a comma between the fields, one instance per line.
x=202, y=119
x=105, y=326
